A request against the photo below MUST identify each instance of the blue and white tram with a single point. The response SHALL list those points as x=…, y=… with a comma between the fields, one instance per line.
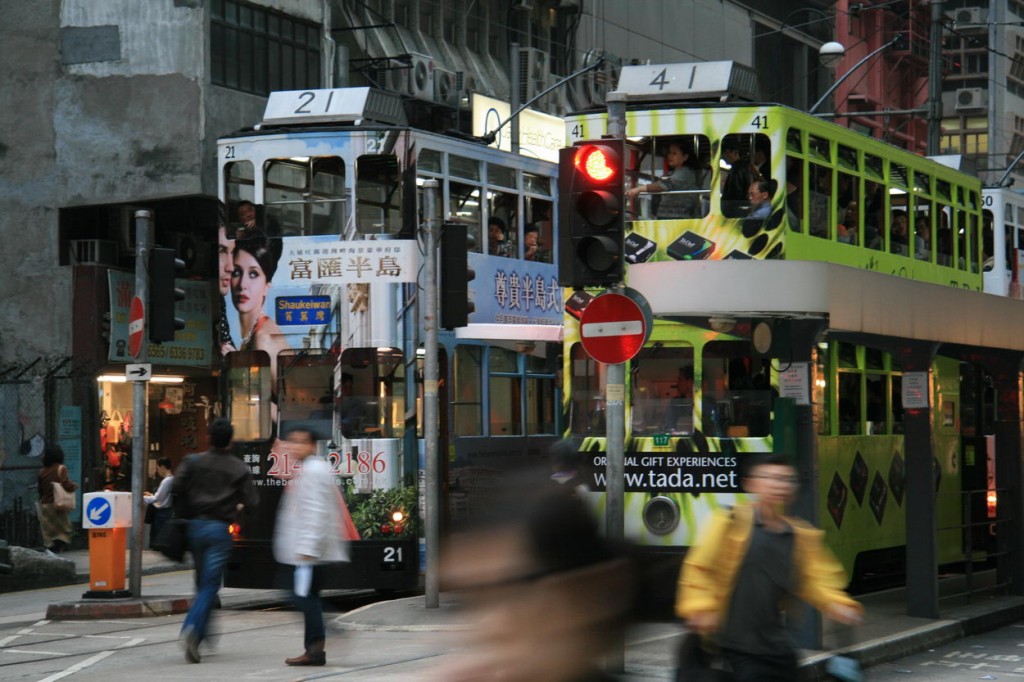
x=323, y=317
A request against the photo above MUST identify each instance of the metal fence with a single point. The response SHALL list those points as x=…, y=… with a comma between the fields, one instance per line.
x=31, y=399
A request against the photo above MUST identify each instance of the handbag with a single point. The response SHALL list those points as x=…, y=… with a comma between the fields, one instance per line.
x=695, y=663
x=62, y=499
x=150, y=514
x=173, y=539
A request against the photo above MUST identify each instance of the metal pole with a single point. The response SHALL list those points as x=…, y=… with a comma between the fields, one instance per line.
x=846, y=75
x=615, y=418
x=513, y=95
x=430, y=407
x=935, y=80
x=141, y=398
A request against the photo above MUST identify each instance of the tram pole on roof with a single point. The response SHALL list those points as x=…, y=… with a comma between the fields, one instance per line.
x=432, y=521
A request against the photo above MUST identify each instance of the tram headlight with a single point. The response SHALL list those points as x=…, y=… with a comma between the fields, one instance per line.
x=661, y=515
x=398, y=516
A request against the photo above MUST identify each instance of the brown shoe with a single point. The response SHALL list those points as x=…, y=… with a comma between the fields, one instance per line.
x=308, y=659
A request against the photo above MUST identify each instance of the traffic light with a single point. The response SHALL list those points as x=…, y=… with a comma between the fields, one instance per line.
x=163, y=294
x=590, y=202
x=456, y=303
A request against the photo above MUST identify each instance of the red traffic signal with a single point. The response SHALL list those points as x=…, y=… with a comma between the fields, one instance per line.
x=591, y=227
x=598, y=163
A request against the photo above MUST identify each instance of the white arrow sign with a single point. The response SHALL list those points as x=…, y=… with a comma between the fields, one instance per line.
x=98, y=511
x=139, y=372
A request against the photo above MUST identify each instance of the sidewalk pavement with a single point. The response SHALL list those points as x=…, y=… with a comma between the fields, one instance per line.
x=887, y=633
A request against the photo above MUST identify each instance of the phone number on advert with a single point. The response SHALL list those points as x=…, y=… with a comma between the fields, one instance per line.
x=176, y=352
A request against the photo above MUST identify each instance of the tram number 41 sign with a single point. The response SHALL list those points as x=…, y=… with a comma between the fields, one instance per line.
x=614, y=326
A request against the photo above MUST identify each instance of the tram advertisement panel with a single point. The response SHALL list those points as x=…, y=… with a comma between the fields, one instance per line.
x=284, y=282
x=655, y=471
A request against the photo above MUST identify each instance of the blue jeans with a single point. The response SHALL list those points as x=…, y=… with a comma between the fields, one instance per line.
x=210, y=544
x=312, y=613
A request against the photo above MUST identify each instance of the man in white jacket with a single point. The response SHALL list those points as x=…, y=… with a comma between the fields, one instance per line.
x=308, y=534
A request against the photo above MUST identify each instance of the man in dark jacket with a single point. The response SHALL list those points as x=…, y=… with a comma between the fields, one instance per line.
x=210, y=488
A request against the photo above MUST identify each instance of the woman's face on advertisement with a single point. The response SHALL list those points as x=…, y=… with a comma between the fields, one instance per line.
x=249, y=285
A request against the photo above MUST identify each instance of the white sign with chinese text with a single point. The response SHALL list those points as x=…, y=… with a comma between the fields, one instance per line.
x=915, y=390
x=794, y=382
x=311, y=260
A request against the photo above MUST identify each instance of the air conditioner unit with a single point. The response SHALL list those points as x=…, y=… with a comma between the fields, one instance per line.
x=446, y=87
x=93, y=252
x=533, y=72
x=971, y=98
x=420, y=82
x=466, y=85
x=969, y=15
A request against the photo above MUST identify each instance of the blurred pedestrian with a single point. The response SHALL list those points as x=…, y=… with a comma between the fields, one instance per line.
x=160, y=502
x=54, y=523
x=210, y=489
x=565, y=467
x=550, y=595
x=735, y=581
x=308, y=535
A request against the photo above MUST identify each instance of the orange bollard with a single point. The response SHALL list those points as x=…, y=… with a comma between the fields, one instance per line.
x=106, y=559
x=107, y=516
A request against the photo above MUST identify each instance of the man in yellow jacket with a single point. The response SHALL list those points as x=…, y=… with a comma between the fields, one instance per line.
x=735, y=582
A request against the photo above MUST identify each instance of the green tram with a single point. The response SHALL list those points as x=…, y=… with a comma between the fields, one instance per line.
x=713, y=383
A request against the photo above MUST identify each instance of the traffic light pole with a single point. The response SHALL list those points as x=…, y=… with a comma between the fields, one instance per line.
x=615, y=415
x=141, y=397
x=432, y=522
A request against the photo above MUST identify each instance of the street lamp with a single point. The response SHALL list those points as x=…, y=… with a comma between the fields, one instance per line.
x=830, y=53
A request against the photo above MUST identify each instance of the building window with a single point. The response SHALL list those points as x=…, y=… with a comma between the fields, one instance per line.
x=256, y=50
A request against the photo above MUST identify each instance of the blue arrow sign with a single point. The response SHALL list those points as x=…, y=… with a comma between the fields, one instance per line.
x=98, y=511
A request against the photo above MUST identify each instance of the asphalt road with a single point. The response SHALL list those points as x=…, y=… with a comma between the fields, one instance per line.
x=995, y=655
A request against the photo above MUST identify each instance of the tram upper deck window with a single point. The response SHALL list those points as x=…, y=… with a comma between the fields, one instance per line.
x=501, y=176
x=240, y=185
x=371, y=393
x=462, y=167
x=819, y=202
x=743, y=159
x=307, y=391
x=539, y=234
x=736, y=391
x=661, y=390
x=537, y=184
x=249, y=394
x=378, y=194
x=503, y=207
x=673, y=176
x=464, y=207
x=429, y=161
x=304, y=196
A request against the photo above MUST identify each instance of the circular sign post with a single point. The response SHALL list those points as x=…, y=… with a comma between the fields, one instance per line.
x=614, y=326
x=136, y=326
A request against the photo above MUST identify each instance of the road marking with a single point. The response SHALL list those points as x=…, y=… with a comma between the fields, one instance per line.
x=78, y=666
x=35, y=652
x=22, y=632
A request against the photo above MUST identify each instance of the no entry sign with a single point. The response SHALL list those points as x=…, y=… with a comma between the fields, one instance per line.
x=614, y=326
x=136, y=326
